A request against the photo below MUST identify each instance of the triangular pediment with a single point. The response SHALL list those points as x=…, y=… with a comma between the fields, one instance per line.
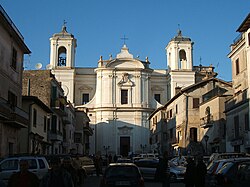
x=124, y=130
x=85, y=87
x=157, y=88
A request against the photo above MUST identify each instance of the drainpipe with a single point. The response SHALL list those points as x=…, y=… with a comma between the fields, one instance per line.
x=28, y=87
x=186, y=122
x=30, y=117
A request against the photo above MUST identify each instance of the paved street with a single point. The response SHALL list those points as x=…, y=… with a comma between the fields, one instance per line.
x=93, y=181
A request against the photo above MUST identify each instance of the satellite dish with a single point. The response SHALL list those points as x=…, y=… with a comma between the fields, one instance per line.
x=49, y=66
x=38, y=66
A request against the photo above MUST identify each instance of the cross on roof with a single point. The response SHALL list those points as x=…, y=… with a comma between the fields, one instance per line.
x=64, y=23
x=124, y=39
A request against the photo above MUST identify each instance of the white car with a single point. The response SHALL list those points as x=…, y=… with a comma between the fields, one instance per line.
x=10, y=165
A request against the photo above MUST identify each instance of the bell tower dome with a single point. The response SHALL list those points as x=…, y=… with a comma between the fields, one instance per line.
x=62, y=49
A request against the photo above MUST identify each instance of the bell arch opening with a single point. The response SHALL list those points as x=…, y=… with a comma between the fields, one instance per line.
x=182, y=59
x=62, y=53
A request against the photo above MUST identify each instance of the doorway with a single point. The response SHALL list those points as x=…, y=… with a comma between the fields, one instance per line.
x=124, y=146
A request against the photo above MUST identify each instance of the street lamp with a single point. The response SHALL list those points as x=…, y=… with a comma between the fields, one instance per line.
x=206, y=137
x=106, y=148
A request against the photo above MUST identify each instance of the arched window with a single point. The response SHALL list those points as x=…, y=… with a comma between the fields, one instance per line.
x=62, y=56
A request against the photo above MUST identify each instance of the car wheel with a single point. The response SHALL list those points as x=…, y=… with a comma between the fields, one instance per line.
x=172, y=177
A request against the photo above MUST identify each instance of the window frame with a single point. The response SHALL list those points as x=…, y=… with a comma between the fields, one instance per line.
x=237, y=66
x=14, y=59
x=124, y=96
x=157, y=97
x=196, y=102
x=85, y=98
x=34, y=119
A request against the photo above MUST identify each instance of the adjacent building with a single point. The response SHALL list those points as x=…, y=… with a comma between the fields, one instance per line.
x=34, y=138
x=192, y=122
x=12, y=116
x=237, y=108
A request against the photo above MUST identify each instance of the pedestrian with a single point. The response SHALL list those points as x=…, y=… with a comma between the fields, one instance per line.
x=98, y=164
x=67, y=165
x=162, y=173
x=200, y=174
x=189, y=177
x=115, y=158
x=57, y=176
x=78, y=164
x=110, y=158
x=23, y=178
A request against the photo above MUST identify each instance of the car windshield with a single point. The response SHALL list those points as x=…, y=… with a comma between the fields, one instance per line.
x=122, y=172
x=225, y=168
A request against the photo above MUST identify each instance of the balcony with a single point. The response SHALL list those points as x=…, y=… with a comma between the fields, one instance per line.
x=55, y=136
x=207, y=121
x=66, y=119
x=237, y=40
x=13, y=115
x=58, y=106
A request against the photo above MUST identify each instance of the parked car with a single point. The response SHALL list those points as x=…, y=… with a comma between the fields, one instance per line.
x=214, y=167
x=124, y=160
x=219, y=156
x=178, y=161
x=148, y=169
x=10, y=165
x=235, y=172
x=88, y=165
x=122, y=174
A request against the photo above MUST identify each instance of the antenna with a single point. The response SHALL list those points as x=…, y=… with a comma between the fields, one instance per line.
x=38, y=66
x=49, y=66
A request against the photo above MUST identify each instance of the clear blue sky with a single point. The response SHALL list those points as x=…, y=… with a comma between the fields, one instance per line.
x=99, y=25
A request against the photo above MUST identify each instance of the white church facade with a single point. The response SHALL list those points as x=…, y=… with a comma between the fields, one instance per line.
x=121, y=92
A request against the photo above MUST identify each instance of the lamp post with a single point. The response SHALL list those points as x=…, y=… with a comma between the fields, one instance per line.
x=106, y=148
x=206, y=137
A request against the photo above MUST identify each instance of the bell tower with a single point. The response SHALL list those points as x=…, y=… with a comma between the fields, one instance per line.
x=179, y=52
x=62, y=49
x=62, y=61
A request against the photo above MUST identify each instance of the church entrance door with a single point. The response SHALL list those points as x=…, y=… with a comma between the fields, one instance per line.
x=124, y=146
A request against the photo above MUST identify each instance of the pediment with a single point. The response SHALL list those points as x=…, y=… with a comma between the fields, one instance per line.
x=126, y=64
x=85, y=87
x=124, y=130
x=157, y=88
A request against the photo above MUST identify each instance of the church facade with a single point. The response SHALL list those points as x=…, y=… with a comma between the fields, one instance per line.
x=120, y=93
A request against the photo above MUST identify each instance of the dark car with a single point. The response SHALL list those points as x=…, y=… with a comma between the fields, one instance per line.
x=122, y=174
x=234, y=173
